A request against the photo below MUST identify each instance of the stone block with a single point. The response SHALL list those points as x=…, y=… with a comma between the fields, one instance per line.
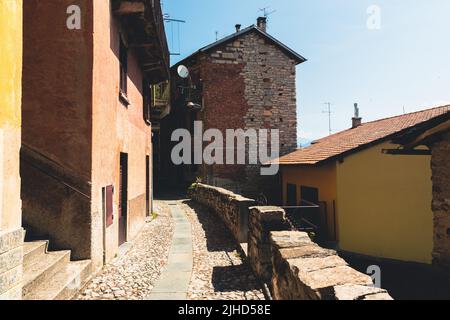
x=12, y=294
x=327, y=278
x=289, y=239
x=10, y=279
x=11, y=259
x=11, y=240
x=356, y=292
x=306, y=251
x=303, y=265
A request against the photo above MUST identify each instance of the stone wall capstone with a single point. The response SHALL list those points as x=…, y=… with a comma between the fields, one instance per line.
x=302, y=270
x=262, y=221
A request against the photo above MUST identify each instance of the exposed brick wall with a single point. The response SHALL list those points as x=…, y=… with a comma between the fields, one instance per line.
x=441, y=200
x=246, y=84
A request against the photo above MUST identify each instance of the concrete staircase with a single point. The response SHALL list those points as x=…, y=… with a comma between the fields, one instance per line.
x=51, y=275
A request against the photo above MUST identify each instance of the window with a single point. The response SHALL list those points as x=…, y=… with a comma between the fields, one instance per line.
x=309, y=196
x=292, y=195
x=123, y=57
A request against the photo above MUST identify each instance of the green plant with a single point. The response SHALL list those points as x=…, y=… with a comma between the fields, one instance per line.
x=194, y=185
x=154, y=215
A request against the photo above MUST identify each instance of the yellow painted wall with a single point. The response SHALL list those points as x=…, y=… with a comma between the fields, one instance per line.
x=10, y=112
x=320, y=177
x=10, y=62
x=384, y=205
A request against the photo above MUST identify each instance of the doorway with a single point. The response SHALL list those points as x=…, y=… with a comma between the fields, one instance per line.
x=123, y=198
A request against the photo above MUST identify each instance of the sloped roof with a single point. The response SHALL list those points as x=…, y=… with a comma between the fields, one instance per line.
x=253, y=28
x=353, y=140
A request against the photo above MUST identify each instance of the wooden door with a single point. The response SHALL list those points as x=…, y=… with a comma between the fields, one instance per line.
x=123, y=198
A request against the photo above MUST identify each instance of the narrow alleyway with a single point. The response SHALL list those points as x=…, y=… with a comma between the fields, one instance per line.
x=185, y=253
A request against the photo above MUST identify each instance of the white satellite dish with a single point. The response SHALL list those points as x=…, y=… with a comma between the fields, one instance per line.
x=183, y=71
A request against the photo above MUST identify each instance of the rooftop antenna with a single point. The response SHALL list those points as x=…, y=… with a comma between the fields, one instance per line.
x=329, y=112
x=217, y=35
x=266, y=12
x=171, y=21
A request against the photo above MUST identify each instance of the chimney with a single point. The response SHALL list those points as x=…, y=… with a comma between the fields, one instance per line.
x=356, y=120
x=262, y=23
x=238, y=27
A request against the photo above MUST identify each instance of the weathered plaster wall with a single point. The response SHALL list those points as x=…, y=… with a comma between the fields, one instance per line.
x=383, y=205
x=10, y=113
x=11, y=233
x=441, y=200
x=116, y=129
x=57, y=84
x=57, y=126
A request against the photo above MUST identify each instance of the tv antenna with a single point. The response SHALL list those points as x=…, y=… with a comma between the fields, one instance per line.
x=329, y=112
x=266, y=12
x=172, y=22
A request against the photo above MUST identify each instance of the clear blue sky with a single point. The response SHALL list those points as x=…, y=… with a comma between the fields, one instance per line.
x=405, y=64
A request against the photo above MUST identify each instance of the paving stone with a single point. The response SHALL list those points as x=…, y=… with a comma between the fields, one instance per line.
x=132, y=276
x=219, y=272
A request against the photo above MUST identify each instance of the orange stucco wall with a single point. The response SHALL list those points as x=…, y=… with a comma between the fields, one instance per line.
x=57, y=126
x=57, y=83
x=117, y=128
x=73, y=118
x=322, y=178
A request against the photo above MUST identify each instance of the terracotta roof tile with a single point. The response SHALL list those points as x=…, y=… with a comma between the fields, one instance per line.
x=351, y=139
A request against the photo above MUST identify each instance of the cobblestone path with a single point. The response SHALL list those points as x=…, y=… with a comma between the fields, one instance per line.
x=133, y=275
x=218, y=271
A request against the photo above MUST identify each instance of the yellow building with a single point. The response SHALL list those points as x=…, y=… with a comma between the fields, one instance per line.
x=375, y=200
x=11, y=234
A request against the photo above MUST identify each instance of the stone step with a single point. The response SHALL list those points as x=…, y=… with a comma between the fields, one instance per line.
x=64, y=283
x=32, y=250
x=41, y=269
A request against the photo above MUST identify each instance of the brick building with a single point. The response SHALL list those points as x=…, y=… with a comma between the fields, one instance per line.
x=244, y=81
x=86, y=140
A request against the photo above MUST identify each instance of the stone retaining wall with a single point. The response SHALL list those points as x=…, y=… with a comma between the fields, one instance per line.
x=304, y=271
x=293, y=266
x=262, y=221
x=232, y=208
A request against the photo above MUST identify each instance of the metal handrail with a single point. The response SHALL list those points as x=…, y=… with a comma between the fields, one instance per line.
x=46, y=172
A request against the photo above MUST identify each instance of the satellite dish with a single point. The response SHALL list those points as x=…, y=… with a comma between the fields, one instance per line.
x=183, y=71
